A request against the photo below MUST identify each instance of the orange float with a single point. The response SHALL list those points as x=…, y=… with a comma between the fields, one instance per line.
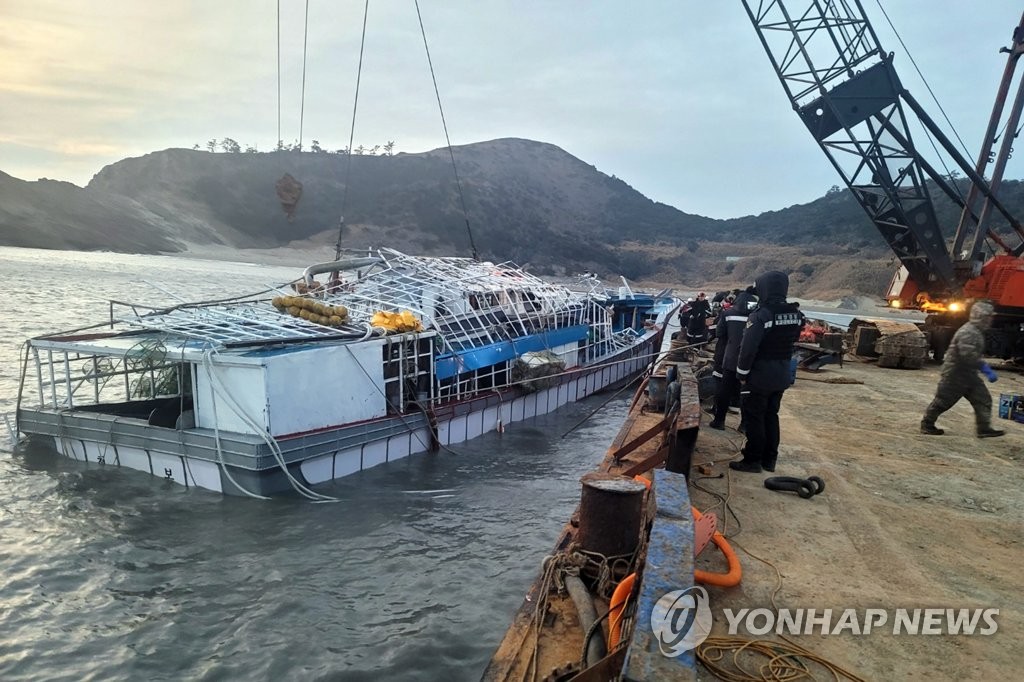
x=735, y=574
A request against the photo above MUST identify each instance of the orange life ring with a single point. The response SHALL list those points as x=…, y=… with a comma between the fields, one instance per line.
x=616, y=607
x=735, y=574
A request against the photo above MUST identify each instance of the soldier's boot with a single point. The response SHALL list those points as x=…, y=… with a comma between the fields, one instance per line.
x=929, y=429
x=749, y=464
x=744, y=465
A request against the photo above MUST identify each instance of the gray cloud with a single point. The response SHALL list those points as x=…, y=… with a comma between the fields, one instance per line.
x=676, y=99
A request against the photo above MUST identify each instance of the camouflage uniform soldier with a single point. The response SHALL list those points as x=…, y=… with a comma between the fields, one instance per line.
x=960, y=376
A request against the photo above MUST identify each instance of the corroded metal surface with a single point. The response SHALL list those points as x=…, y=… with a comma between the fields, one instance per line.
x=611, y=509
x=541, y=640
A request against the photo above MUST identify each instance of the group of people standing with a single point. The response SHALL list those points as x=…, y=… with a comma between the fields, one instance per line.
x=756, y=331
x=755, y=335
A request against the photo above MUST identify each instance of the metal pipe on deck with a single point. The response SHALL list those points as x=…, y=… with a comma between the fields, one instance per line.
x=596, y=647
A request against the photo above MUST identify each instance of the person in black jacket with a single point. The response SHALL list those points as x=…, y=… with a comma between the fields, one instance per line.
x=684, y=317
x=728, y=333
x=763, y=367
x=697, y=328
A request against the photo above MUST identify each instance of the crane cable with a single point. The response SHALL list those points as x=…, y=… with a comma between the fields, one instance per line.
x=923, y=79
x=302, y=97
x=279, y=75
x=279, y=140
x=931, y=92
x=352, y=134
x=455, y=170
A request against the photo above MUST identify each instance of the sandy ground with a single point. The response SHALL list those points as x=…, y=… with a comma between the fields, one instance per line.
x=906, y=521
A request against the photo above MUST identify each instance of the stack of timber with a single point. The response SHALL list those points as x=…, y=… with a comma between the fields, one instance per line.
x=587, y=615
x=895, y=344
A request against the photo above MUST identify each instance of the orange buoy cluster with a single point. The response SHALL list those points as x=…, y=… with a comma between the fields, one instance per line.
x=312, y=310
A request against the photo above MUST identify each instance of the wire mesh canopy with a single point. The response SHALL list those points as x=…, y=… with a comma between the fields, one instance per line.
x=468, y=302
x=237, y=323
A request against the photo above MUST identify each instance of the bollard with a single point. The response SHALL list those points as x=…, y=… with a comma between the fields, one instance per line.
x=611, y=513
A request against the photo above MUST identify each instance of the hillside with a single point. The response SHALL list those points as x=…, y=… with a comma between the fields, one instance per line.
x=527, y=201
x=58, y=215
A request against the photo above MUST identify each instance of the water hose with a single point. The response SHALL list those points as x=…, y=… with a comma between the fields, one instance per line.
x=588, y=616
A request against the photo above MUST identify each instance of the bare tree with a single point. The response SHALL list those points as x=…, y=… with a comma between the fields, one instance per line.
x=211, y=146
x=389, y=148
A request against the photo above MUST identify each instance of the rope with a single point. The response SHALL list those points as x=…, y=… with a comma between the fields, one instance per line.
x=275, y=449
x=603, y=405
x=550, y=568
x=774, y=661
x=216, y=436
x=398, y=412
x=279, y=140
x=302, y=97
x=923, y=79
x=455, y=170
x=352, y=134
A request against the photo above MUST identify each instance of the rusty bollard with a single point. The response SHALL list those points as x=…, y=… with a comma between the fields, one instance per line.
x=611, y=512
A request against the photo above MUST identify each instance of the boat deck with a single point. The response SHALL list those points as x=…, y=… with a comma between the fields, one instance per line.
x=646, y=439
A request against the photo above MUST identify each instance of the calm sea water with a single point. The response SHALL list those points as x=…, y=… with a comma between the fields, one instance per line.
x=109, y=574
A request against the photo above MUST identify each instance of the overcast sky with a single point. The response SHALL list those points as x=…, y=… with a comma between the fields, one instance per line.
x=675, y=97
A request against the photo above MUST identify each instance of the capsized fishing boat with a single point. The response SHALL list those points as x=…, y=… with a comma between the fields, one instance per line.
x=393, y=355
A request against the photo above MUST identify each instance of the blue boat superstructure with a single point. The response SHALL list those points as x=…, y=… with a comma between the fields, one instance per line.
x=393, y=355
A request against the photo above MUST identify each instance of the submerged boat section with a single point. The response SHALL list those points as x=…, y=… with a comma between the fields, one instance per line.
x=392, y=355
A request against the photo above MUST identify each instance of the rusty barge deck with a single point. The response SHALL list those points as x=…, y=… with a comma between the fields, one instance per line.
x=649, y=528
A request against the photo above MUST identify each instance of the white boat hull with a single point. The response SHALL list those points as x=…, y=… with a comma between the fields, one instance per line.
x=456, y=423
